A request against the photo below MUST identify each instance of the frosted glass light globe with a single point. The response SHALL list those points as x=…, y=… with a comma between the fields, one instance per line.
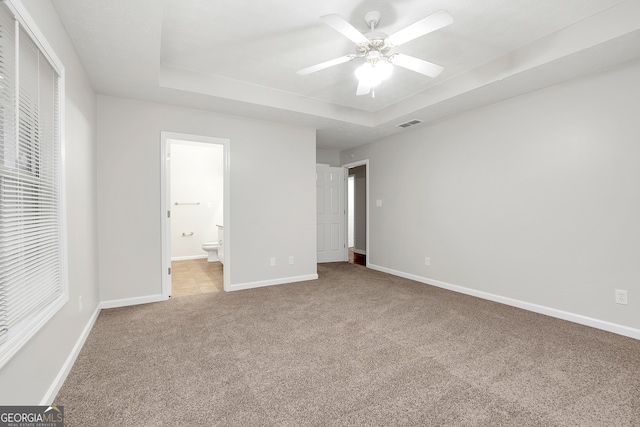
x=367, y=75
x=372, y=75
x=384, y=69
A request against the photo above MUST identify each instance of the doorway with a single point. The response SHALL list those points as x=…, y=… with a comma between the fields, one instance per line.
x=195, y=214
x=358, y=212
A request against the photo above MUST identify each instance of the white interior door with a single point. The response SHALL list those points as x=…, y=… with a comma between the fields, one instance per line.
x=331, y=213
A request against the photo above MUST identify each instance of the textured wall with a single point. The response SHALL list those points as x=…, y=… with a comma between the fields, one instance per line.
x=534, y=199
x=272, y=195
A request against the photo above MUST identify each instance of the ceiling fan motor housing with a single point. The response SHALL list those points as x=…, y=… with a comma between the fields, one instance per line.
x=377, y=44
x=377, y=40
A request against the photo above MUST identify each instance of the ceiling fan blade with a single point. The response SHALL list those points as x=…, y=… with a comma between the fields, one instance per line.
x=424, y=26
x=323, y=65
x=417, y=65
x=363, y=89
x=342, y=26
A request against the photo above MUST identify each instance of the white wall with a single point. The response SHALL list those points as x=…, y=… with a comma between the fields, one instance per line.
x=27, y=377
x=272, y=195
x=328, y=157
x=196, y=177
x=535, y=198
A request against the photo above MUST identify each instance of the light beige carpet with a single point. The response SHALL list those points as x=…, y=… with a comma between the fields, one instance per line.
x=357, y=347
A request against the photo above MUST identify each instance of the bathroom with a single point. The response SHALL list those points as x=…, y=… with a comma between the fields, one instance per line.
x=196, y=201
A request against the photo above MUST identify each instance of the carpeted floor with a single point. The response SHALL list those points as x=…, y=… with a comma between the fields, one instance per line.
x=356, y=347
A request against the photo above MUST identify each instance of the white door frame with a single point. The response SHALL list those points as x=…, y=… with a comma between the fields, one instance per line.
x=353, y=165
x=165, y=200
x=350, y=215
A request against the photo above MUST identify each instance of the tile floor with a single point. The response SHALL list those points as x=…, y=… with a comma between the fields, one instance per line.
x=195, y=276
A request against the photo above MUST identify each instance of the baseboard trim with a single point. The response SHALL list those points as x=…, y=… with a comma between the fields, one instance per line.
x=68, y=364
x=272, y=282
x=186, y=258
x=115, y=303
x=548, y=311
x=359, y=251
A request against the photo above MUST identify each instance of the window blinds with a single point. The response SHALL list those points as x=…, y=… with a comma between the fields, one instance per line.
x=30, y=239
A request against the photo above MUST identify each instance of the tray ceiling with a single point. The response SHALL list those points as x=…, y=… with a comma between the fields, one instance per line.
x=235, y=59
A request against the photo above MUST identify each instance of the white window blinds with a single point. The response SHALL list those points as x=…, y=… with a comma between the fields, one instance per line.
x=30, y=165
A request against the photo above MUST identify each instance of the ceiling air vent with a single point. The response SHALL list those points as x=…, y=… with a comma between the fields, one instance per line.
x=409, y=123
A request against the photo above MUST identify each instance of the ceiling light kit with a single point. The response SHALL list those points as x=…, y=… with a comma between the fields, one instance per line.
x=375, y=48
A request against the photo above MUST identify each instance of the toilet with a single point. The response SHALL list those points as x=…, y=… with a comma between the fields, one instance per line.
x=212, y=250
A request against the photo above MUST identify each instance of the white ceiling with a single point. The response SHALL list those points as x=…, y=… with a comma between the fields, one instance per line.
x=240, y=57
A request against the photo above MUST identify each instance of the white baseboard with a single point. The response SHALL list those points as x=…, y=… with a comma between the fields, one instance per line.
x=68, y=364
x=359, y=251
x=185, y=258
x=131, y=301
x=272, y=282
x=552, y=312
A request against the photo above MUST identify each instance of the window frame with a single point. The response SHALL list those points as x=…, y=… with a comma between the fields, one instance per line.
x=21, y=333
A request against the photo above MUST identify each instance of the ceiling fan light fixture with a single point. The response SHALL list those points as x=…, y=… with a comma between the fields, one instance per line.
x=367, y=75
x=372, y=73
x=374, y=47
x=384, y=68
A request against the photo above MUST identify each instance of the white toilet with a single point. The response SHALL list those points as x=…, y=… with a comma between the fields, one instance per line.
x=212, y=250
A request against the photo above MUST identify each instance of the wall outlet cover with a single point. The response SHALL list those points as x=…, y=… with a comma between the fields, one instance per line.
x=621, y=297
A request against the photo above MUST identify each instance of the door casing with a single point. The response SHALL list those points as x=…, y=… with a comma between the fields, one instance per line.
x=165, y=201
x=348, y=166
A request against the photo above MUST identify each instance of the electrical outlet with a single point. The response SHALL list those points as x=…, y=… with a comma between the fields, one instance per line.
x=291, y=259
x=427, y=261
x=272, y=262
x=621, y=297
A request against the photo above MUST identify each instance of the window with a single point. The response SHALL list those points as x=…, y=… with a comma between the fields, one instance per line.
x=32, y=273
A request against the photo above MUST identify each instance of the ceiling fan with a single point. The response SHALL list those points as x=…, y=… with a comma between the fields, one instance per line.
x=375, y=47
